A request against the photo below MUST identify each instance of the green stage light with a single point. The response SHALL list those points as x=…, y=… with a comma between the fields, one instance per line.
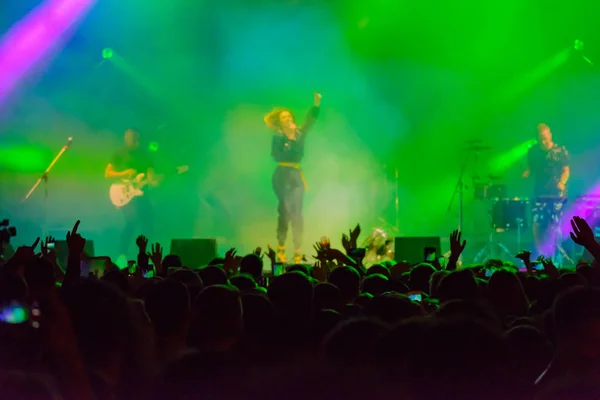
x=578, y=45
x=107, y=53
x=153, y=146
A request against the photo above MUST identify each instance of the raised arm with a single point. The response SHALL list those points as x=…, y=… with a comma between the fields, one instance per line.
x=311, y=118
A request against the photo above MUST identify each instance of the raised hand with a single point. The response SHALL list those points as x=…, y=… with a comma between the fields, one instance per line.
x=258, y=252
x=317, y=98
x=271, y=255
x=321, y=250
x=349, y=242
x=525, y=256
x=156, y=255
x=354, y=234
x=456, y=246
x=346, y=242
x=142, y=243
x=582, y=233
x=549, y=267
x=75, y=241
x=44, y=245
x=48, y=254
x=319, y=271
x=231, y=261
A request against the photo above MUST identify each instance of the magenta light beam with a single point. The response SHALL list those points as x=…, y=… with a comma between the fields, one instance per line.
x=583, y=209
x=34, y=37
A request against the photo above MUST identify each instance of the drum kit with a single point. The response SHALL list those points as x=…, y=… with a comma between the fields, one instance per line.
x=505, y=217
x=508, y=216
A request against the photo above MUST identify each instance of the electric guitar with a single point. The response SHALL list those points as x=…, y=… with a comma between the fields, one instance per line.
x=123, y=192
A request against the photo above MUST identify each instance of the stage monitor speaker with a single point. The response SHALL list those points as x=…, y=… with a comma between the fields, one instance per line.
x=411, y=249
x=194, y=253
x=62, y=250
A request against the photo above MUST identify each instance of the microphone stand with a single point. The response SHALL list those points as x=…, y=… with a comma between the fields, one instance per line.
x=44, y=178
x=396, y=200
x=459, y=190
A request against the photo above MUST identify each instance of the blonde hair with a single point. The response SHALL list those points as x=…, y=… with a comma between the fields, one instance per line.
x=542, y=127
x=272, y=118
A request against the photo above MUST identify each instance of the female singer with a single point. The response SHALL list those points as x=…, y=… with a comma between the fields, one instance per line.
x=287, y=148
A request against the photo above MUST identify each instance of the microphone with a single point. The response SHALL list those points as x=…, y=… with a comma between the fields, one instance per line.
x=293, y=126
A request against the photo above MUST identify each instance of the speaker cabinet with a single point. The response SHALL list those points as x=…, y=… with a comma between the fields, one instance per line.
x=411, y=249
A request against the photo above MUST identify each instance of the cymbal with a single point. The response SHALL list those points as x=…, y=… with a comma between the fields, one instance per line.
x=477, y=147
x=488, y=178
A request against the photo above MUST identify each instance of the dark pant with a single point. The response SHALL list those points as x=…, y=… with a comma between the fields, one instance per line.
x=139, y=219
x=289, y=189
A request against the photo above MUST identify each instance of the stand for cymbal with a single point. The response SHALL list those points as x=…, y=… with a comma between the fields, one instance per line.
x=473, y=148
x=560, y=254
x=490, y=250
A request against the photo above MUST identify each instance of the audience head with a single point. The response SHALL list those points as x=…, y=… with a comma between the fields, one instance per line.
x=505, y=294
x=458, y=285
x=392, y=308
x=420, y=275
x=347, y=279
x=375, y=284
x=218, y=319
x=172, y=261
x=328, y=296
x=577, y=323
x=213, y=275
x=353, y=342
x=243, y=282
x=190, y=279
x=101, y=320
x=530, y=352
x=118, y=279
x=168, y=306
x=252, y=265
x=591, y=274
x=379, y=269
x=292, y=295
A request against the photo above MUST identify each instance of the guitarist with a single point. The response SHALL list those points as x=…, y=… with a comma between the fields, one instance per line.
x=126, y=164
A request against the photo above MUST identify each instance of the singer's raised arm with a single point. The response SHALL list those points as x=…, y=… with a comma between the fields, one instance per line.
x=312, y=115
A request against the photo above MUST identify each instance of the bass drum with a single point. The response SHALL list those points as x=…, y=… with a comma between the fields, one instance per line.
x=379, y=247
x=510, y=214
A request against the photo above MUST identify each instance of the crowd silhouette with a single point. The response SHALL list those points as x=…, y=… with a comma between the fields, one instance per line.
x=332, y=329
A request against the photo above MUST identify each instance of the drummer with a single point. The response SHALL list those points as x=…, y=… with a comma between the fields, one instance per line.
x=548, y=165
